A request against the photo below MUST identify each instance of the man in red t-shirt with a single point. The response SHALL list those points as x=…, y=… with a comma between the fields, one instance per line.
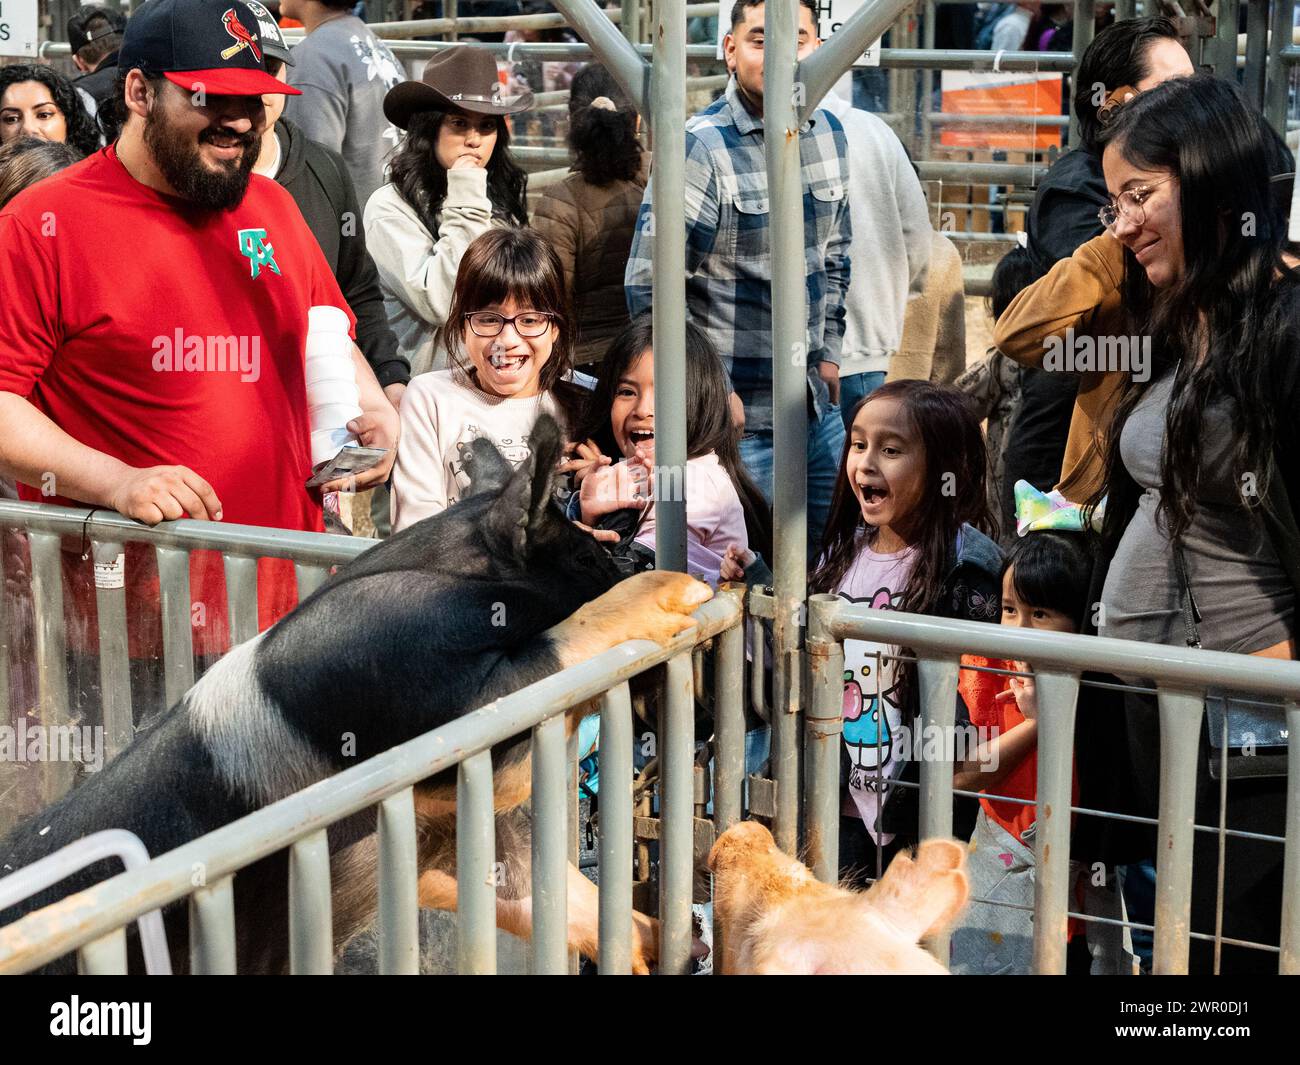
x=154, y=319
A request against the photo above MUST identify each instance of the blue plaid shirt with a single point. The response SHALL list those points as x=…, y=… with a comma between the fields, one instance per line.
x=729, y=253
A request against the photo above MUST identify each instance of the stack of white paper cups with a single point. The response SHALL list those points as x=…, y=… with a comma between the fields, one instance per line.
x=333, y=398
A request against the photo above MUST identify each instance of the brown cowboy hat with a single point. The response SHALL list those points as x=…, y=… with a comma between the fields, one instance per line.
x=462, y=78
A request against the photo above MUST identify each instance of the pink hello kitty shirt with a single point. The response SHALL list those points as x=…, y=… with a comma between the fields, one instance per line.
x=872, y=739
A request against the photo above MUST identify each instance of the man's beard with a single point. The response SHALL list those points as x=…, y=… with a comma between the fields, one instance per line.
x=180, y=163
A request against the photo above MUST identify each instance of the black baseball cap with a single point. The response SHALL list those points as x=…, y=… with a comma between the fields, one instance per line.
x=208, y=45
x=91, y=23
x=273, y=42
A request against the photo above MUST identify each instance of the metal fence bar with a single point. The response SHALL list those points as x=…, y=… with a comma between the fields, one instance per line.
x=399, y=916
x=1057, y=697
x=1226, y=20
x=789, y=399
x=1279, y=70
x=51, y=653
x=310, y=577
x=615, y=832
x=937, y=684
x=1256, y=51
x=105, y=956
x=241, y=597
x=612, y=48
x=254, y=541
x=572, y=810
x=1180, y=733
x=178, y=645
x=824, y=67
x=1289, y=963
x=45, y=935
x=212, y=929
x=668, y=294
x=729, y=729
x=548, y=947
x=677, y=816
x=824, y=722
x=114, y=667
x=311, y=928
x=476, y=897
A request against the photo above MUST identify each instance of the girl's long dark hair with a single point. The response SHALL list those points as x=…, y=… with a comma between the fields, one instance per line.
x=956, y=463
x=422, y=180
x=708, y=415
x=1223, y=327
x=82, y=134
x=604, y=143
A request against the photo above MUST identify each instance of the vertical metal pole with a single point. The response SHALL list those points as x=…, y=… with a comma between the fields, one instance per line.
x=178, y=642
x=729, y=728
x=449, y=11
x=572, y=809
x=212, y=929
x=311, y=932
x=668, y=206
x=51, y=654
x=548, y=948
x=1057, y=697
x=105, y=956
x=824, y=723
x=241, y=597
x=630, y=20
x=1256, y=50
x=309, y=578
x=1084, y=30
x=1289, y=963
x=789, y=404
x=1279, y=72
x=114, y=668
x=616, y=832
x=399, y=921
x=1125, y=9
x=1225, y=40
x=927, y=78
x=677, y=813
x=1180, y=734
x=937, y=681
x=476, y=897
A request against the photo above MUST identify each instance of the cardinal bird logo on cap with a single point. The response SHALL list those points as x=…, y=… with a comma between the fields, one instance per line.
x=237, y=30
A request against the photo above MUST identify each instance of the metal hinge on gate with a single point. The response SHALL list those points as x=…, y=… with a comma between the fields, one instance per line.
x=762, y=796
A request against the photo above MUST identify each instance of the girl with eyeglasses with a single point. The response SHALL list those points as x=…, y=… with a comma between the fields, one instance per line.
x=510, y=341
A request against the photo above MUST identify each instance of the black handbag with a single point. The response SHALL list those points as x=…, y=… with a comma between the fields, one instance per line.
x=1247, y=734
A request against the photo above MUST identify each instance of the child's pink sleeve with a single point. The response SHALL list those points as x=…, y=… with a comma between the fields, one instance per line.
x=714, y=513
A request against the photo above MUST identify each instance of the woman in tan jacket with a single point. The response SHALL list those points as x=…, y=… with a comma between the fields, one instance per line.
x=589, y=217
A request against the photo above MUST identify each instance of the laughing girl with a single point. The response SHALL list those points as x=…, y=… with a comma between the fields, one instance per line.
x=907, y=531
x=510, y=352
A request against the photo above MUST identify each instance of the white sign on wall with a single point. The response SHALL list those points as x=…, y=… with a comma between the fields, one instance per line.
x=831, y=15
x=18, y=28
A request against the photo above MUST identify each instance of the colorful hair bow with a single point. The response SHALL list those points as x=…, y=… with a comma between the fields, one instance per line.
x=1037, y=511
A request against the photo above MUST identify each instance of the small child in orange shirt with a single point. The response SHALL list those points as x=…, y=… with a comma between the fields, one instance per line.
x=1044, y=586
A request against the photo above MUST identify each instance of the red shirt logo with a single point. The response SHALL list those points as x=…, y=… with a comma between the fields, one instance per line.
x=237, y=30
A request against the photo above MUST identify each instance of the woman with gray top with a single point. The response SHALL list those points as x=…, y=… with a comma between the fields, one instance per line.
x=452, y=180
x=1202, y=469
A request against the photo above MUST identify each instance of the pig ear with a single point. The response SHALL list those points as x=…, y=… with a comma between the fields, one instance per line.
x=518, y=520
x=487, y=469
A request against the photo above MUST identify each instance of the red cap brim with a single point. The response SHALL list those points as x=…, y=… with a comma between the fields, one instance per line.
x=230, y=81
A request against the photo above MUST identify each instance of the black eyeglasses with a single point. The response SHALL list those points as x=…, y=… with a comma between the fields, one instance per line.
x=527, y=324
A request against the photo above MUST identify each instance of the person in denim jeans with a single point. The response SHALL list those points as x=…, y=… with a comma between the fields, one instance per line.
x=729, y=253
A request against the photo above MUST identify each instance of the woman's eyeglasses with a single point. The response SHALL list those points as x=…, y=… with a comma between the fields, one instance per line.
x=528, y=324
x=1128, y=204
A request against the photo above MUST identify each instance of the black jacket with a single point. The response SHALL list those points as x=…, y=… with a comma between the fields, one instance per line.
x=98, y=84
x=318, y=181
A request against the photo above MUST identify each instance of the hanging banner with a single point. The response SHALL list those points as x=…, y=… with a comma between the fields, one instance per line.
x=1024, y=95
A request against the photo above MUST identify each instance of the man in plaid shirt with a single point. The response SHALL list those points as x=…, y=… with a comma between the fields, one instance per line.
x=729, y=260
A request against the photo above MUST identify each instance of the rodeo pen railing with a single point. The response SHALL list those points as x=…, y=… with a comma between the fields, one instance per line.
x=93, y=922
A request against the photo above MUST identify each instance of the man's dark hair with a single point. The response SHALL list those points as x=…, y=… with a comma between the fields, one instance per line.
x=1116, y=57
x=739, y=8
x=93, y=22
